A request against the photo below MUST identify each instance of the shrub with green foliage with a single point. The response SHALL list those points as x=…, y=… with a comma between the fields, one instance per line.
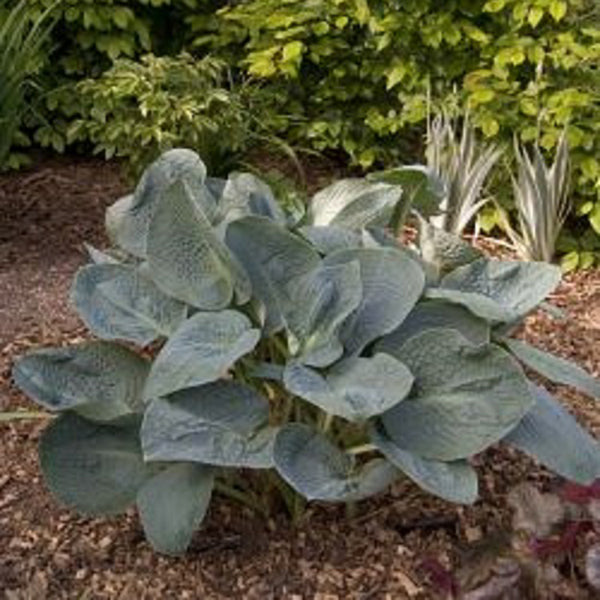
x=356, y=73
x=319, y=351
x=21, y=43
x=139, y=110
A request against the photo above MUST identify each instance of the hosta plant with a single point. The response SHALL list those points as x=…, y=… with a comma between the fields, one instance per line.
x=319, y=352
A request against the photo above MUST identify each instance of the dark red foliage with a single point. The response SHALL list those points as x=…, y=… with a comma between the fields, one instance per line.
x=440, y=577
x=580, y=494
x=563, y=544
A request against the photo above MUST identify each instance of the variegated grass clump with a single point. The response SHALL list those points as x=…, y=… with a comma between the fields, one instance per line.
x=319, y=352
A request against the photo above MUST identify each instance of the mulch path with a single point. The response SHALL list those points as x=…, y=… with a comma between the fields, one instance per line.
x=48, y=552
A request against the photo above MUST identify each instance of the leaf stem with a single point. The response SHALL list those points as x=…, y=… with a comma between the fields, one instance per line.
x=248, y=500
x=362, y=449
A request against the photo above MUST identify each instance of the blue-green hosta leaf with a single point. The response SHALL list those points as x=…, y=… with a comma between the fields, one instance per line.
x=101, y=380
x=354, y=204
x=422, y=189
x=453, y=481
x=465, y=397
x=245, y=194
x=172, y=505
x=554, y=368
x=118, y=302
x=99, y=257
x=128, y=220
x=355, y=389
x=495, y=290
x=273, y=258
x=444, y=251
x=329, y=238
x=200, y=351
x=432, y=314
x=185, y=257
x=318, y=470
x=551, y=435
x=319, y=303
x=392, y=283
x=94, y=468
x=222, y=423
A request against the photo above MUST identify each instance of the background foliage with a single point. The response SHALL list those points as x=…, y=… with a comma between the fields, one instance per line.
x=358, y=76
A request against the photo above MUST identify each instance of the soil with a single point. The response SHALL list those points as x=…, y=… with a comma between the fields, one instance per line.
x=49, y=552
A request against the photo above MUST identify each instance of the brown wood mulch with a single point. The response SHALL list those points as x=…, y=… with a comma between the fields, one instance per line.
x=48, y=552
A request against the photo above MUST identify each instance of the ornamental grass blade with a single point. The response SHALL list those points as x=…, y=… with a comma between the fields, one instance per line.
x=318, y=470
x=453, y=481
x=392, y=282
x=94, y=468
x=185, y=257
x=172, y=505
x=551, y=435
x=554, y=368
x=354, y=204
x=100, y=380
x=355, y=389
x=222, y=423
x=200, y=351
x=465, y=397
x=128, y=220
x=118, y=302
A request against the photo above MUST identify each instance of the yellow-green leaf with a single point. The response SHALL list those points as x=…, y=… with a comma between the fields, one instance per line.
x=535, y=16
x=558, y=9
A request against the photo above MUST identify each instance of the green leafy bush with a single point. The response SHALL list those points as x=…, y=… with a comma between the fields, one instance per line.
x=21, y=43
x=138, y=110
x=320, y=352
x=356, y=73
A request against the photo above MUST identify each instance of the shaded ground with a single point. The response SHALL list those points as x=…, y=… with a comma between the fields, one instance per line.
x=47, y=552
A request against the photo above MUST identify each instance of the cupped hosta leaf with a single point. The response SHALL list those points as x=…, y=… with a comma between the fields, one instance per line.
x=321, y=301
x=95, y=468
x=454, y=481
x=223, y=423
x=273, y=258
x=444, y=251
x=551, y=435
x=432, y=314
x=392, y=283
x=128, y=220
x=354, y=204
x=118, y=302
x=356, y=389
x=495, y=290
x=100, y=380
x=329, y=238
x=172, y=504
x=200, y=351
x=422, y=190
x=554, y=368
x=185, y=257
x=318, y=470
x=465, y=397
x=245, y=194
x=100, y=257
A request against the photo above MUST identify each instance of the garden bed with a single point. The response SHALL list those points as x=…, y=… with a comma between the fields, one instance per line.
x=48, y=552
